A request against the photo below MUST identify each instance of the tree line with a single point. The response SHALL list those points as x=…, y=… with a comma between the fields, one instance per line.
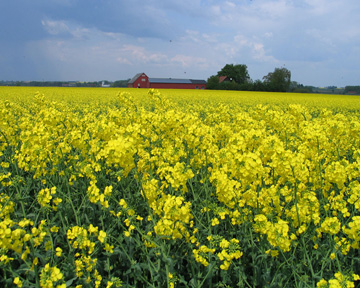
x=352, y=90
x=118, y=83
x=236, y=77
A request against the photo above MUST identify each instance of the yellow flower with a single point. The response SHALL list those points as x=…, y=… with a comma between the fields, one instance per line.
x=322, y=283
x=127, y=222
x=5, y=259
x=225, y=265
x=92, y=229
x=273, y=253
x=109, y=248
x=25, y=254
x=58, y=251
x=50, y=275
x=18, y=282
x=122, y=203
x=331, y=225
x=215, y=221
x=54, y=229
x=44, y=197
x=108, y=190
x=102, y=236
x=131, y=212
x=57, y=201
x=224, y=243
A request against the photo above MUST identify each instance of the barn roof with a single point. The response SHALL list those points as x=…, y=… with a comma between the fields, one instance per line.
x=168, y=80
x=222, y=78
x=197, y=81
x=135, y=77
x=176, y=81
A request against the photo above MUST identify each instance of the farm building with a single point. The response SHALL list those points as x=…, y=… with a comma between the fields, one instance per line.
x=141, y=80
x=224, y=79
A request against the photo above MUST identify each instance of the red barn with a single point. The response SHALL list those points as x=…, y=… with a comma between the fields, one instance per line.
x=141, y=80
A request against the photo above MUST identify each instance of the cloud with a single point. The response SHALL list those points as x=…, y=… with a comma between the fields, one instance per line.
x=123, y=60
x=190, y=61
x=259, y=53
x=55, y=27
x=196, y=37
x=324, y=7
x=136, y=18
x=91, y=39
x=138, y=54
x=244, y=49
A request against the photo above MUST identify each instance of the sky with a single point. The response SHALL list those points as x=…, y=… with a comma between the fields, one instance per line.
x=88, y=40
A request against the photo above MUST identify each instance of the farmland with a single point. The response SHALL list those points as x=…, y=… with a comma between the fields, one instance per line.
x=174, y=188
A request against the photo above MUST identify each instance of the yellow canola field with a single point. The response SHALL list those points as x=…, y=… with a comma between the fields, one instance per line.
x=185, y=96
x=178, y=188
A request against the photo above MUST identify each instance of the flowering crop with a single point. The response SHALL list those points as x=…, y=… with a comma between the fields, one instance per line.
x=136, y=188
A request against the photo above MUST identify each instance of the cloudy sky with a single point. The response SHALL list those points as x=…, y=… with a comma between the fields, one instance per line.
x=89, y=40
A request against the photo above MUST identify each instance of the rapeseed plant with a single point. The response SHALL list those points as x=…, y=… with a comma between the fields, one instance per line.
x=167, y=188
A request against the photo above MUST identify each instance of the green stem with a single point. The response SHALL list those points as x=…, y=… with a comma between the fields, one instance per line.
x=206, y=276
x=72, y=206
x=299, y=224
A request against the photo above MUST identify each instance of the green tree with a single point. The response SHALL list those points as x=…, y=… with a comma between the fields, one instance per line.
x=352, y=89
x=237, y=73
x=299, y=88
x=120, y=83
x=279, y=80
x=258, y=85
x=213, y=82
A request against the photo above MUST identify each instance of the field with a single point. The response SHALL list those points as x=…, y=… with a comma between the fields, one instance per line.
x=178, y=188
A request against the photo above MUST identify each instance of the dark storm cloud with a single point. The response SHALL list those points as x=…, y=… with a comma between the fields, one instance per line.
x=88, y=39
